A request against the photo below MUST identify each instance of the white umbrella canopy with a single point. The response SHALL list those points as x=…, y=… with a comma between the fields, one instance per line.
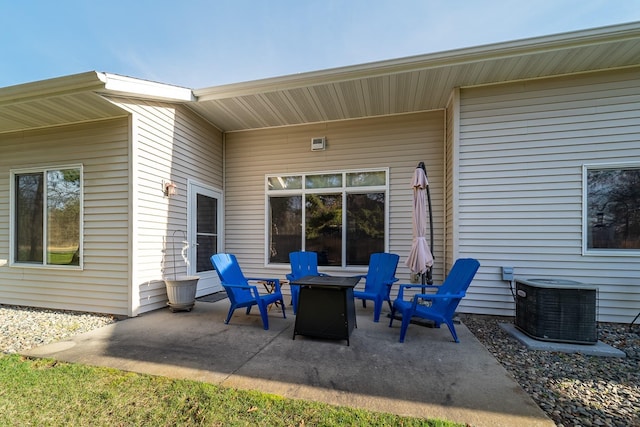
x=420, y=258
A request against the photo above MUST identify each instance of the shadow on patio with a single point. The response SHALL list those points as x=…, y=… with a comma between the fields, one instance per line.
x=428, y=376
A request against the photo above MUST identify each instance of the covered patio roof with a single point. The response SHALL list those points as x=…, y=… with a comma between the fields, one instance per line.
x=406, y=85
x=418, y=83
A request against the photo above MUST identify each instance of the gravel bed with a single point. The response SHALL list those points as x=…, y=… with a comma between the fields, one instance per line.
x=573, y=389
x=23, y=328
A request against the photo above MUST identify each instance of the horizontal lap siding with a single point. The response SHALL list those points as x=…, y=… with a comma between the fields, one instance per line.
x=102, y=286
x=398, y=143
x=522, y=149
x=170, y=143
x=452, y=115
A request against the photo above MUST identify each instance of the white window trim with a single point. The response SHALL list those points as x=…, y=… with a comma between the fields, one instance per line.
x=585, y=217
x=12, y=218
x=344, y=189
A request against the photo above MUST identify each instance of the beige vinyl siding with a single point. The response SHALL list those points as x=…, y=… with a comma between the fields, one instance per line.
x=451, y=183
x=169, y=143
x=102, y=285
x=396, y=142
x=522, y=149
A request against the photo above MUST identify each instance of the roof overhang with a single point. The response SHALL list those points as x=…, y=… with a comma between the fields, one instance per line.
x=418, y=83
x=77, y=98
x=398, y=86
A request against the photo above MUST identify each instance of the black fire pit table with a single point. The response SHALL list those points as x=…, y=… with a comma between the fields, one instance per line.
x=325, y=307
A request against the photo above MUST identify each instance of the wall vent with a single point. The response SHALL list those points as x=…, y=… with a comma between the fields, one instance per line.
x=318, y=144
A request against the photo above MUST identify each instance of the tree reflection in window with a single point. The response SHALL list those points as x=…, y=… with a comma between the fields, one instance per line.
x=339, y=215
x=323, y=230
x=613, y=208
x=63, y=217
x=365, y=231
x=57, y=237
x=285, y=234
x=29, y=220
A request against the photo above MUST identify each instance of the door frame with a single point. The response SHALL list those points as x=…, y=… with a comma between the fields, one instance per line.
x=209, y=281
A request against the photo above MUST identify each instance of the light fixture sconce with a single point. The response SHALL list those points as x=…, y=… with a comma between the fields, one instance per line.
x=169, y=188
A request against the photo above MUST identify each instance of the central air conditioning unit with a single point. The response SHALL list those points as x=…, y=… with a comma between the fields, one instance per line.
x=556, y=310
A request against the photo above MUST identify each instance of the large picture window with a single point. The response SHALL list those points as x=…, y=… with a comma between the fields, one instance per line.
x=612, y=210
x=340, y=215
x=46, y=216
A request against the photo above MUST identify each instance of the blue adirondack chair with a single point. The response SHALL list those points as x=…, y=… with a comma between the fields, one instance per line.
x=379, y=278
x=302, y=264
x=443, y=303
x=240, y=292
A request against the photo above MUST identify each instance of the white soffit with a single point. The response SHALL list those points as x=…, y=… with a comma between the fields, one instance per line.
x=54, y=102
x=76, y=99
x=418, y=83
x=398, y=86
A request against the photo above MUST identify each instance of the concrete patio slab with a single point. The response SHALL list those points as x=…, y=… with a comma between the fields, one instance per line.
x=428, y=376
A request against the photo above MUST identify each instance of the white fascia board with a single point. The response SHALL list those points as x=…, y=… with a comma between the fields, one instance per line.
x=130, y=87
x=94, y=81
x=51, y=87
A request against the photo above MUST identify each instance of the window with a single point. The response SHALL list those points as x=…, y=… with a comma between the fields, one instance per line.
x=46, y=212
x=340, y=215
x=612, y=214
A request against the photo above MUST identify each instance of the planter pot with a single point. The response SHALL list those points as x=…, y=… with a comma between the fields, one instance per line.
x=181, y=292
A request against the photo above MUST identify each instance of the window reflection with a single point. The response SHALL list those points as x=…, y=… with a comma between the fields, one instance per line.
x=63, y=217
x=284, y=182
x=613, y=208
x=366, y=179
x=206, y=231
x=312, y=217
x=365, y=231
x=324, y=181
x=47, y=217
x=323, y=228
x=29, y=220
x=285, y=233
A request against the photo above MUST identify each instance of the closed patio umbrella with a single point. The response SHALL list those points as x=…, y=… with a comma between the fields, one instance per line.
x=420, y=259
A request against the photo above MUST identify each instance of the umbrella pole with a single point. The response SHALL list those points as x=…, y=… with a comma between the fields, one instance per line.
x=427, y=278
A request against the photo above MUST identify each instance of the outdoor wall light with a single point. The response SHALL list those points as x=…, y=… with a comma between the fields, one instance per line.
x=169, y=188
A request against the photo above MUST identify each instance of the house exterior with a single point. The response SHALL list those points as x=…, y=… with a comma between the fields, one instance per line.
x=531, y=149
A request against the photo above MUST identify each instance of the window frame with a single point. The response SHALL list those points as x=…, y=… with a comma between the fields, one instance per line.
x=586, y=251
x=343, y=190
x=12, y=218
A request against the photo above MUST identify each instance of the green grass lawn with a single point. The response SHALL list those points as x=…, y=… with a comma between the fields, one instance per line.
x=60, y=257
x=44, y=392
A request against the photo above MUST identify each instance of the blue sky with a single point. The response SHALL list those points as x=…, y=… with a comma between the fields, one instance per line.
x=199, y=43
